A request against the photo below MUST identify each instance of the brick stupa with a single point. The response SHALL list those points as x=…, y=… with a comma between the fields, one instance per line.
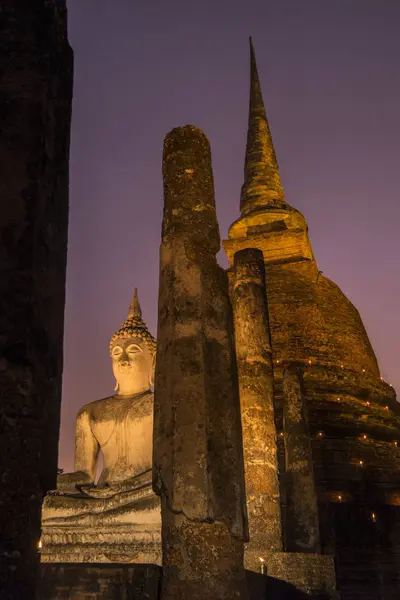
x=321, y=349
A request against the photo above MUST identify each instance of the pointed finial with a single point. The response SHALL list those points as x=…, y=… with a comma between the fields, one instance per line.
x=134, y=310
x=262, y=186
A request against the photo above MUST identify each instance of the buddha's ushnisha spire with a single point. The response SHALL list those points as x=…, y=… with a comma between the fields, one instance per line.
x=134, y=325
x=262, y=186
x=134, y=308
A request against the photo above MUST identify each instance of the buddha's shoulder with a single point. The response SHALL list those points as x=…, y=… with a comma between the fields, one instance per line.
x=92, y=408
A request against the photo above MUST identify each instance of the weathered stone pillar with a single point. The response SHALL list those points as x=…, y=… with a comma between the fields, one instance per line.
x=36, y=90
x=254, y=358
x=301, y=518
x=198, y=458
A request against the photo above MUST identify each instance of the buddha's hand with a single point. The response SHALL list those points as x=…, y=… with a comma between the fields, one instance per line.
x=70, y=482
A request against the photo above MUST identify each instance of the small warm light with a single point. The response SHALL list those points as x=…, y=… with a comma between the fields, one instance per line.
x=189, y=171
x=395, y=443
x=368, y=403
x=281, y=434
x=320, y=434
x=262, y=565
x=277, y=362
x=386, y=407
x=381, y=378
x=338, y=398
x=39, y=545
x=364, y=436
x=309, y=362
x=373, y=517
x=363, y=370
x=361, y=463
x=340, y=498
x=342, y=366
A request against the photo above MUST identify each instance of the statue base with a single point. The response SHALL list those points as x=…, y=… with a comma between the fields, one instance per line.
x=116, y=544
x=125, y=528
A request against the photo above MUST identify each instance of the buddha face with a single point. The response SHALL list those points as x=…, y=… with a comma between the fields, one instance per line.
x=132, y=364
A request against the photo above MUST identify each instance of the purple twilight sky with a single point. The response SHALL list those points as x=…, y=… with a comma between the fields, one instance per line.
x=330, y=75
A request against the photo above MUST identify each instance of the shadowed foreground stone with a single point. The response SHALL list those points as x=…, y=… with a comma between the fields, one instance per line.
x=35, y=100
x=253, y=351
x=198, y=460
x=116, y=581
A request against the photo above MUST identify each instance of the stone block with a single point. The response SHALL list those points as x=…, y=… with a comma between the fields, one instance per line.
x=313, y=574
x=99, y=582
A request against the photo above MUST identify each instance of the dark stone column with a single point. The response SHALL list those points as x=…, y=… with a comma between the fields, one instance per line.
x=254, y=358
x=35, y=100
x=198, y=457
x=301, y=519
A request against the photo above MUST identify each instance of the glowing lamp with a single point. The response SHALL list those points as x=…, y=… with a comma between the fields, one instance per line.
x=262, y=565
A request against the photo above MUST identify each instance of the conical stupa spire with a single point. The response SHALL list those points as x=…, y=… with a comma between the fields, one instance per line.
x=262, y=184
x=134, y=309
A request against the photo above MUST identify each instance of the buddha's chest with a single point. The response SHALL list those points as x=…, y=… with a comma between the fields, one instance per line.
x=124, y=429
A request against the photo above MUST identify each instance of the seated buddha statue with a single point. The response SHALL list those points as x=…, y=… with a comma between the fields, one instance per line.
x=120, y=428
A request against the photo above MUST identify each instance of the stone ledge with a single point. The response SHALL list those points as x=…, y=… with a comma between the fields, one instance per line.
x=310, y=573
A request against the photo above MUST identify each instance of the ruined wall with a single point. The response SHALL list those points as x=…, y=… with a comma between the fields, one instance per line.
x=35, y=101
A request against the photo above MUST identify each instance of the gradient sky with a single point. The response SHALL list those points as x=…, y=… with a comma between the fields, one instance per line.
x=330, y=75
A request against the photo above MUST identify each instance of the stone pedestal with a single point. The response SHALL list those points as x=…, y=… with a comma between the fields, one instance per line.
x=116, y=544
x=107, y=531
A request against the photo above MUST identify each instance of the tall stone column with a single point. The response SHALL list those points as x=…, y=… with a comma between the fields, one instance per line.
x=198, y=458
x=254, y=359
x=301, y=519
x=35, y=89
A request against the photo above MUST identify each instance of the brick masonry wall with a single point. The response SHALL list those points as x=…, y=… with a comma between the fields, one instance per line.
x=354, y=427
x=311, y=319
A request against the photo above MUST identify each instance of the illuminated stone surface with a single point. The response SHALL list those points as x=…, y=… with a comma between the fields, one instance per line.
x=35, y=89
x=118, y=519
x=253, y=351
x=198, y=460
x=301, y=515
x=315, y=327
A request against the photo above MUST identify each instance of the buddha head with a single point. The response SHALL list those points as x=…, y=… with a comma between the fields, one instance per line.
x=133, y=352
